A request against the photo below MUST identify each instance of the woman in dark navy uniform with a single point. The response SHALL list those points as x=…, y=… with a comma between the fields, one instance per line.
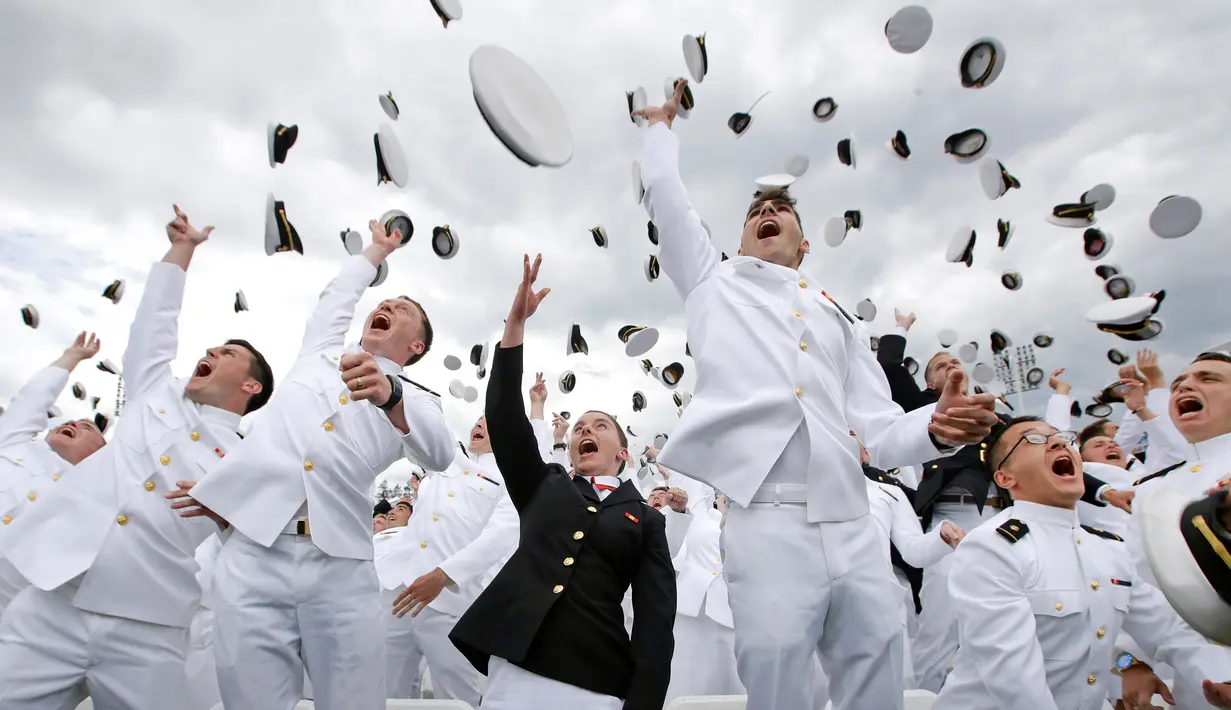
x=549, y=630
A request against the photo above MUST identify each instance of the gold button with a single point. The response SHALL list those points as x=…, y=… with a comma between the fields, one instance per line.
x=164, y=460
x=162, y=411
x=307, y=466
x=435, y=518
x=718, y=559
x=31, y=496
x=568, y=561
x=803, y=346
x=122, y=519
x=335, y=357
x=1094, y=586
x=1196, y=468
x=465, y=472
x=55, y=477
x=803, y=283
x=592, y=509
x=7, y=519
x=343, y=399
x=797, y=314
x=1100, y=633
x=799, y=391
x=558, y=588
x=715, y=573
x=328, y=426
x=450, y=494
x=983, y=445
x=1078, y=541
x=1091, y=679
x=480, y=489
x=149, y=485
x=1059, y=606
x=423, y=544
x=195, y=436
x=578, y=535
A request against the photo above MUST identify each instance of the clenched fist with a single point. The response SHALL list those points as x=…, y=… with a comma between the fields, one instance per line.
x=364, y=379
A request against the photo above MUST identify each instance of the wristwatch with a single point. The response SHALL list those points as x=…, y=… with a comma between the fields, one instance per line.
x=1126, y=661
x=560, y=447
x=395, y=394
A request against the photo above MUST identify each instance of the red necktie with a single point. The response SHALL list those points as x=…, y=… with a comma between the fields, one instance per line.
x=600, y=486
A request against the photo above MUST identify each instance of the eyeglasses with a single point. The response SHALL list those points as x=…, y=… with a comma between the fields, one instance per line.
x=1038, y=439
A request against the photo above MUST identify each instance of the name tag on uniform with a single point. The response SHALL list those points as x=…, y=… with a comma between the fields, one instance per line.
x=1121, y=583
x=485, y=478
x=631, y=517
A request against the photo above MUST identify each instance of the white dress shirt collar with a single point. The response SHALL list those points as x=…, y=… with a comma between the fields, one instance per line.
x=1214, y=448
x=596, y=481
x=1047, y=514
x=220, y=417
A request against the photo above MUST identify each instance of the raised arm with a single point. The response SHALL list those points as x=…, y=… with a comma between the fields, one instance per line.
x=153, y=338
x=513, y=441
x=1059, y=406
x=996, y=624
x=26, y=415
x=335, y=309
x=917, y=548
x=687, y=255
x=426, y=440
x=654, y=603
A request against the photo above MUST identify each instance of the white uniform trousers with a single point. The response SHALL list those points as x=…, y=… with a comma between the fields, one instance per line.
x=11, y=582
x=203, y=693
x=53, y=654
x=408, y=642
x=704, y=658
x=290, y=607
x=935, y=643
x=513, y=688
x=798, y=588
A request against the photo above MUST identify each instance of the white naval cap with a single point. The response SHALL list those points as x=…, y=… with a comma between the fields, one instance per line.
x=961, y=248
x=79, y=391
x=968, y=146
x=796, y=165
x=909, y=29
x=520, y=108
x=947, y=337
x=1004, y=232
x=280, y=234
x=1100, y=196
x=1000, y=342
x=638, y=339
x=637, y=100
x=741, y=121
x=866, y=310
x=846, y=151
x=824, y=109
x=567, y=382
x=457, y=388
x=108, y=367
x=638, y=402
x=1096, y=243
x=114, y=291
x=599, y=234
x=968, y=352
x=1042, y=339
x=241, y=302
x=29, y=315
x=447, y=10
x=444, y=242
x=389, y=106
x=996, y=179
x=835, y=231
x=695, y=56
x=576, y=342
x=777, y=180
x=983, y=373
x=1175, y=217
x=981, y=63
x=671, y=375
x=1117, y=357
x=1011, y=280
x=278, y=141
x=1076, y=215
x=391, y=165
x=899, y=146
x=471, y=394
x=687, y=102
x=652, y=269
x=452, y=362
x=398, y=221
x=638, y=185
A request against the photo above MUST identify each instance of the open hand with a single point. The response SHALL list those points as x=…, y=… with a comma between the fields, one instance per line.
x=559, y=428
x=961, y=419
x=420, y=593
x=1058, y=384
x=904, y=321
x=364, y=379
x=1147, y=362
x=180, y=231
x=1134, y=394
x=527, y=301
x=668, y=111
x=189, y=507
x=83, y=348
x=383, y=243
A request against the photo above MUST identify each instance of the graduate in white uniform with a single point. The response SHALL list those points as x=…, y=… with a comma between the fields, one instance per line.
x=27, y=463
x=1042, y=598
x=111, y=565
x=294, y=585
x=465, y=523
x=203, y=693
x=1200, y=408
x=783, y=374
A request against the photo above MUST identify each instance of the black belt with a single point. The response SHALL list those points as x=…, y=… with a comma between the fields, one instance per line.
x=971, y=500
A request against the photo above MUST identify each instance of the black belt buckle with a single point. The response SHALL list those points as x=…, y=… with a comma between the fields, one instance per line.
x=303, y=528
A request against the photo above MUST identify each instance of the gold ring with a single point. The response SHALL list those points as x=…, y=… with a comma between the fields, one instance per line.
x=358, y=383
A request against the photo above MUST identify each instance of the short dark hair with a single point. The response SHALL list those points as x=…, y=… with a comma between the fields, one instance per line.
x=1213, y=357
x=1092, y=431
x=619, y=431
x=661, y=488
x=259, y=370
x=428, y=333
x=928, y=367
x=997, y=437
x=781, y=195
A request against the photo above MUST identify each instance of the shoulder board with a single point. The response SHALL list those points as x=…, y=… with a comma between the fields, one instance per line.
x=1102, y=533
x=875, y=474
x=839, y=307
x=1013, y=530
x=404, y=378
x=1158, y=474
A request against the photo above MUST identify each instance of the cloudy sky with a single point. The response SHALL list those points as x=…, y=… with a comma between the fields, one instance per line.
x=114, y=111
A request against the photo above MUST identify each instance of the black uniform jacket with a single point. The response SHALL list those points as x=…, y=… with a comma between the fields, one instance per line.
x=554, y=609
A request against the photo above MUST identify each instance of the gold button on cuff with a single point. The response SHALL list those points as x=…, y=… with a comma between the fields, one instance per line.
x=803, y=283
x=450, y=494
x=149, y=485
x=1059, y=606
x=31, y=496
x=307, y=466
x=803, y=346
x=578, y=535
x=6, y=519
x=328, y=426
x=164, y=460
x=1094, y=586
x=1100, y=633
x=558, y=588
x=343, y=399
x=592, y=509
x=122, y=519
x=195, y=436
x=1091, y=679
x=423, y=545
x=568, y=561
x=799, y=391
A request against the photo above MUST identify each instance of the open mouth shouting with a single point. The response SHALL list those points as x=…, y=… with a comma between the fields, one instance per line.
x=381, y=321
x=769, y=228
x=477, y=436
x=68, y=431
x=204, y=368
x=1188, y=406
x=587, y=447
x=1064, y=466
x=1114, y=455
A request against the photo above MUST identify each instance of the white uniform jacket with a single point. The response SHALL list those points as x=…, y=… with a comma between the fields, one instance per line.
x=774, y=355
x=898, y=524
x=314, y=444
x=382, y=542
x=107, y=517
x=1040, y=601
x=699, y=584
x=464, y=522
